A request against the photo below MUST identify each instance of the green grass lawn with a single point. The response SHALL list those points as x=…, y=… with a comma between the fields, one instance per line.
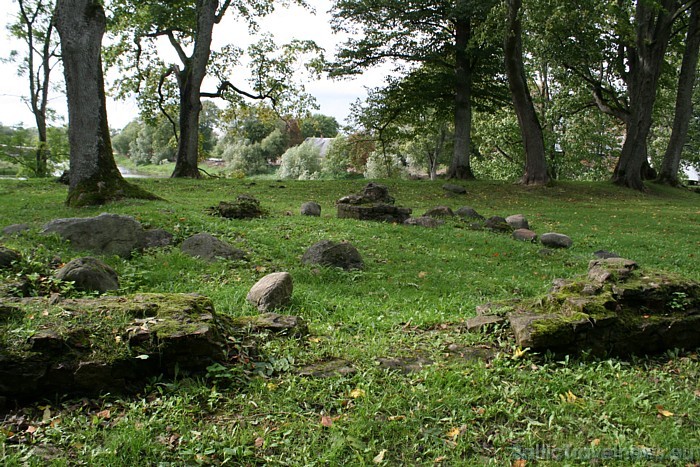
x=417, y=287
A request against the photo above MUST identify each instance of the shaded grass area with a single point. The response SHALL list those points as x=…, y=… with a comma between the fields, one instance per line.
x=418, y=285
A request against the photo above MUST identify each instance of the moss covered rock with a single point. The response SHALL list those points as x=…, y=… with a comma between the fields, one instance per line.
x=616, y=309
x=111, y=344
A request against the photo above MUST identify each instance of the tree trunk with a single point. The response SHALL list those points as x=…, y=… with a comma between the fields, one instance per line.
x=530, y=129
x=94, y=176
x=653, y=30
x=460, y=167
x=684, y=102
x=190, y=82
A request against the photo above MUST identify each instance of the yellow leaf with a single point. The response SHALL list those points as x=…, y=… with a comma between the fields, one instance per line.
x=271, y=386
x=440, y=459
x=379, y=458
x=519, y=353
x=422, y=275
x=595, y=442
x=357, y=393
x=453, y=433
x=569, y=398
x=663, y=412
x=394, y=418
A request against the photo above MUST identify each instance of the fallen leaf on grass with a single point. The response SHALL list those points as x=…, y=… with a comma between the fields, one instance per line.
x=379, y=458
x=569, y=398
x=697, y=393
x=519, y=353
x=453, y=433
x=31, y=429
x=519, y=463
x=357, y=393
x=422, y=274
x=595, y=442
x=440, y=459
x=105, y=414
x=394, y=418
x=259, y=442
x=665, y=413
x=326, y=421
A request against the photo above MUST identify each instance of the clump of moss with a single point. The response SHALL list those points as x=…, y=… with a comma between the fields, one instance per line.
x=245, y=207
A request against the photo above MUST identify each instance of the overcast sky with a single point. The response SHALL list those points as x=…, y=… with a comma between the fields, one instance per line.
x=334, y=97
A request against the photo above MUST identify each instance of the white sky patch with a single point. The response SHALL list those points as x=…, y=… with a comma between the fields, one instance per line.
x=333, y=96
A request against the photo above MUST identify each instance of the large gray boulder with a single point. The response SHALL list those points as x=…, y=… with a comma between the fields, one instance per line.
x=210, y=248
x=424, y=221
x=456, y=189
x=327, y=253
x=15, y=229
x=89, y=275
x=468, y=212
x=106, y=234
x=271, y=292
x=439, y=211
x=517, y=221
x=311, y=208
x=556, y=240
x=7, y=257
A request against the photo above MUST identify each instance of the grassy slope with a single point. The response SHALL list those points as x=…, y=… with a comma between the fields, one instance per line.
x=417, y=282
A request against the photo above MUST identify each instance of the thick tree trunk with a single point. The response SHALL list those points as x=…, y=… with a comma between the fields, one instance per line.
x=190, y=81
x=684, y=102
x=460, y=167
x=653, y=30
x=530, y=129
x=94, y=176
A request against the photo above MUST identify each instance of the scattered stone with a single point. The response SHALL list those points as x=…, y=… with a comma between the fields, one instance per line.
x=15, y=229
x=327, y=253
x=498, y=224
x=472, y=353
x=603, y=254
x=89, y=274
x=556, y=240
x=245, y=207
x=329, y=369
x=271, y=292
x=456, y=189
x=525, y=235
x=424, y=221
x=483, y=323
x=375, y=212
x=404, y=365
x=373, y=204
x=311, y=208
x=156, y=238
x=467, y=212
x=274, y=323
x=210, y=248
x=439, y=211
x=518, y=221
x=7, y=257
x=106, y=234
x=371, y=193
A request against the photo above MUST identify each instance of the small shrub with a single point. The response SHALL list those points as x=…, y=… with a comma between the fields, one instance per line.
x=301, y=162
x=385, y=166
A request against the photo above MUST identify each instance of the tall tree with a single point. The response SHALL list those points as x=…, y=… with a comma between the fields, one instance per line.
x=530, y=129
x=617, y=49
x=189, y=24
x=35, y=27
x=437, y=33
x=94, y=176
x=684, y=101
